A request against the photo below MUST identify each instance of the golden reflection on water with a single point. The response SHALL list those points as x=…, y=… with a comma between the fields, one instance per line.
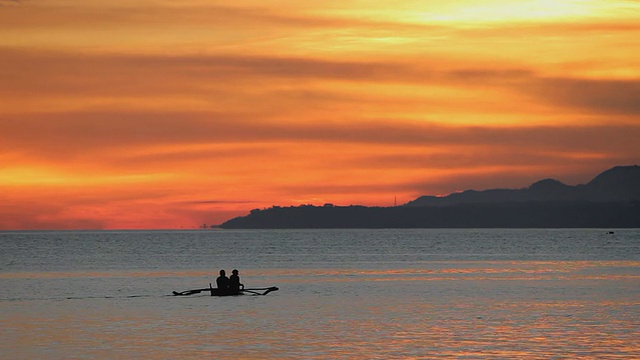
x=473, y=310
x=507, y=268
x=103, y=274
x=328, y=330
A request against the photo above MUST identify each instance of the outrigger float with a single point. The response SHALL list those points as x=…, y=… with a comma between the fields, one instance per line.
x=217, y=292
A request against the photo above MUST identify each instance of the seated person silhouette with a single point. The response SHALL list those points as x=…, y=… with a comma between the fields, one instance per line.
x=222, y=282
x=234, y=283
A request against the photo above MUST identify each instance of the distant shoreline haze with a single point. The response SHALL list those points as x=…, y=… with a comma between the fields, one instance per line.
x=610, y=200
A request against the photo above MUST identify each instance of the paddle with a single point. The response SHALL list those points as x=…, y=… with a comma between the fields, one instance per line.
x=191, y=292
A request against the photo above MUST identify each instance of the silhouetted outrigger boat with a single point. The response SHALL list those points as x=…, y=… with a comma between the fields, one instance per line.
x=216, y=292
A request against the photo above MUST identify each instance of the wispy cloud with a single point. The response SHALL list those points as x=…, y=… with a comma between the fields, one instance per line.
x=208, y=202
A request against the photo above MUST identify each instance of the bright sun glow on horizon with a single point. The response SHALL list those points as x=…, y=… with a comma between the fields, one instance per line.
x=487, y=12
x=165, y=114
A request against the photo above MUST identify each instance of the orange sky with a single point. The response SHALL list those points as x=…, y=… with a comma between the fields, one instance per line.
x=168, y=114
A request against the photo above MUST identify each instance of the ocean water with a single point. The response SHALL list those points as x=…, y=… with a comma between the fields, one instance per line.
x=344, y=294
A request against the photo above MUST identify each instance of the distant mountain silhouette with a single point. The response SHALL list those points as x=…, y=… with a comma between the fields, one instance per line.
x=621, y=183
x=611, y=199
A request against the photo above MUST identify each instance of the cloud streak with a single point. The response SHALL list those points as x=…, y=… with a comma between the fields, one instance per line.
x=101, y=130
x=64, y=75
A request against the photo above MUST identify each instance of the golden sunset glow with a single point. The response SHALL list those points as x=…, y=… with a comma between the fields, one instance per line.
x=170, y=114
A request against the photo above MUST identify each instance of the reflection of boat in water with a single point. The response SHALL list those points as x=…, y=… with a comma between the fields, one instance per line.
x=217, y=292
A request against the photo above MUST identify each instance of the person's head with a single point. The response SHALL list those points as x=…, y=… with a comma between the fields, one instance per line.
x=222, y=273
x=235, y=272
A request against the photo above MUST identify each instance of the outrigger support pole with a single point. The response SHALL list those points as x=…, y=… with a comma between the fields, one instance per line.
x=254, y=291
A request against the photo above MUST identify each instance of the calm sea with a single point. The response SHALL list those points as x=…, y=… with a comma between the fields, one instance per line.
x=344, y=294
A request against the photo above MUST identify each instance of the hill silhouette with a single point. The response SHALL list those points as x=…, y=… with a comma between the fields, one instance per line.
x=618, y=184
x=610, y=200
